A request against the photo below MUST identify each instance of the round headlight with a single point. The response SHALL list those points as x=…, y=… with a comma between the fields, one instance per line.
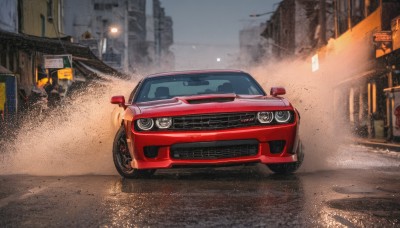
x=265, y=117
x=145, y=124
x=282, y=116
x=164, y=122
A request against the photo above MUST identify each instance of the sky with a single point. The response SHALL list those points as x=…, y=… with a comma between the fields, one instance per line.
x=205, y=30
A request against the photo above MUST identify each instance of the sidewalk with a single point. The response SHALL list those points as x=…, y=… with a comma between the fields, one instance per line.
x=382, y=144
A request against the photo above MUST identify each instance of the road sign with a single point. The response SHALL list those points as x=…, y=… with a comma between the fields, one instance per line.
x=61, y=62
x=314, y=63
x=382, y=36
x=53, y=63
x=57, y=61
x=383, y=43
x=65, y=73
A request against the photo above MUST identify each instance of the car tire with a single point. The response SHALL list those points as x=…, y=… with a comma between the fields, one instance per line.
x=287, y=168
x=122, y=158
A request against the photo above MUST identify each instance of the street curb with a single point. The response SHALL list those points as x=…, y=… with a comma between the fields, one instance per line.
x=381, y=145
x=388, y=149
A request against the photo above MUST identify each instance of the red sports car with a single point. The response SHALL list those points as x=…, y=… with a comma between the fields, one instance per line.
x=205, y=118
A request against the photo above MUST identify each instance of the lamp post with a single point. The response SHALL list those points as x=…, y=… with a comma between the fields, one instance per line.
x=126, y=37
x=116, y=30
x=104, y=35
x=102, y=42
x=125, y=30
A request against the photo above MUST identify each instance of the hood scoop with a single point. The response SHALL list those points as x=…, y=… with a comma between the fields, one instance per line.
x=210, y=100
x=220, y=98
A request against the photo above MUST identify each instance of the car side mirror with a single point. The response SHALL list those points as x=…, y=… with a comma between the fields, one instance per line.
x=119, y=100
x=276, y=91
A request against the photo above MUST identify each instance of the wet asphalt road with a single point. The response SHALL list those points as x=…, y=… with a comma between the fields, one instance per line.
x=358, y=196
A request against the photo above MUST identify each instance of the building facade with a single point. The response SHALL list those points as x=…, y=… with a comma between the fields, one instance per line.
x=368, y=94
x=163, y=38
x=338, y=37
x=9, y=15
x=298, y=27
x=117, y=30
x=41, y=18
x=252, y=45
x=138, y=55
x=22, y=56
x=102, y=25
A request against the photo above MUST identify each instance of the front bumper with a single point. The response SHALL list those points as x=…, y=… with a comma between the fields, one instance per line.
x=164, y=141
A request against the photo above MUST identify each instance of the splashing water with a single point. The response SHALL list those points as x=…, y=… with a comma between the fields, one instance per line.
x=322, y=130
x=78, y=138
x=75, y=139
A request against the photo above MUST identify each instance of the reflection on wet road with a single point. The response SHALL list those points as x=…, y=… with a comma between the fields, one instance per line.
x=231, y=196
x=207, y=198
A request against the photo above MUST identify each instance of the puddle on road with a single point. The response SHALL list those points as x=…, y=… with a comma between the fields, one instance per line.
x=354, y=189
x=381, y=207
x=235, y=180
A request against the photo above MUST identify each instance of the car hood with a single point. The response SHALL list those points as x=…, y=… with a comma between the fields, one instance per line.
x=218, y=103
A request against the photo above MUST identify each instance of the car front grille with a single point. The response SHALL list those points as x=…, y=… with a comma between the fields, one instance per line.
x=214, y=121
x=206, y=151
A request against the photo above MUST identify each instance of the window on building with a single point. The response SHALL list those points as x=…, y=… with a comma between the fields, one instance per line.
x=3, y=56
x=357, y=11
x=342, y=16
x=43, y=25
x=60, y=11
x=372, y=5
x=107, y=6
x=396, y=78
x=21, y=16
x=11, y=55
x=270, y=30
x=50, y=10
x=99, y=6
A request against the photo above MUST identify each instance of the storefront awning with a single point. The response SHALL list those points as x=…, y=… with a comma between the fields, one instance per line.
x=4, y=70
x=361, y=76
x=49, y=46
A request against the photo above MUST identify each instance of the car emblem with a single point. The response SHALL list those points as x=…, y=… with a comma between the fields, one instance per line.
x=247, y=120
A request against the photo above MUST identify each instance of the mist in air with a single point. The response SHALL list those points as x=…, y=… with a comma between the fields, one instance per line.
x=74, y=139
x=322, y=129
x=77, y=138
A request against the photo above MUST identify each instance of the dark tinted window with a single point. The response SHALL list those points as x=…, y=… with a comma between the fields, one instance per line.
x=165, y=87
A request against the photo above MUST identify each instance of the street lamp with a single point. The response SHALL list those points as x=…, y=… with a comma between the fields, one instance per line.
x=110, y=34
x=113, y=29
x=124, y=30
x=103, y=38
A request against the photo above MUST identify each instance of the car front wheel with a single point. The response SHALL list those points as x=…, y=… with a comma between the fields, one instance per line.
x=287, y=168
x=122, y=158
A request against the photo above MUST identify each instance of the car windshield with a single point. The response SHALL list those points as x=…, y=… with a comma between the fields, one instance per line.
x=165, y=87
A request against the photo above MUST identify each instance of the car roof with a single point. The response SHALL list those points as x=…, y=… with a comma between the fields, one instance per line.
x=192, y=72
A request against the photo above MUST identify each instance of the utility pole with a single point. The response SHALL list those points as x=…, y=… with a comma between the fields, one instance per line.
x=349, y=26
x=126, y=33
x=157, y=29
x=159, y=34
x=335, y=16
